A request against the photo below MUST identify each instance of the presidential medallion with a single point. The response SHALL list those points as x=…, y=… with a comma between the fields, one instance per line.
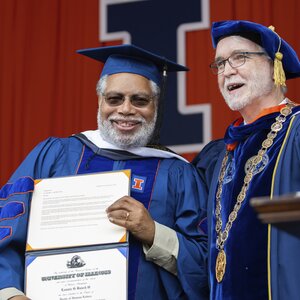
x=220, y=265
x=253, y=166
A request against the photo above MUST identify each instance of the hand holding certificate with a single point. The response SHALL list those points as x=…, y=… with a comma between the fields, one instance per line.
x=132, y=215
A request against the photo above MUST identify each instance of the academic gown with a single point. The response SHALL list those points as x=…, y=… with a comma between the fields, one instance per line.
x=279, y=248
x=172, y=198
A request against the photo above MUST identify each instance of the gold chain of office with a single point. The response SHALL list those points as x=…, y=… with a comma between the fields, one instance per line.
x=250, y=168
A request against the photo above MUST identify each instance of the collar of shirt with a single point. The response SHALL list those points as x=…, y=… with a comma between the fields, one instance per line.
x=95, y=137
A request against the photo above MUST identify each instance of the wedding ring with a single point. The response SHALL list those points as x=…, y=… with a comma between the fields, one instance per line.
x=127, y=216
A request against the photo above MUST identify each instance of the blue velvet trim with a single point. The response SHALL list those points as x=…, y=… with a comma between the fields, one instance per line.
x=22, y=185
x=11, y=210
x=5, y=232
x=242, y=132
x=203, y=225
x=143, y=168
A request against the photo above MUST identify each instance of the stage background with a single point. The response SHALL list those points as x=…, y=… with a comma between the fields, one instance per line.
x=46, y=89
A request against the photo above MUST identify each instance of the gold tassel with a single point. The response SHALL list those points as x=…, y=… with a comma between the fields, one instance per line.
x=279, y=75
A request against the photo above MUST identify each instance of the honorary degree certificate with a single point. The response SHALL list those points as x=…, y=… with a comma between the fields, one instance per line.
x=73, y=250
x=93, y=275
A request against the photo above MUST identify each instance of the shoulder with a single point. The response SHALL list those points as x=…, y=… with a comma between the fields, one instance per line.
x=175, y=163
x=209, y=153
x=174, y=169
x=59, y=150
x=53, y=145
x=51, y=156
x=207, y=159
x=293, y=131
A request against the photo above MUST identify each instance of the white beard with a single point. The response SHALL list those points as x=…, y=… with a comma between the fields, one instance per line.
x=139, y=138
x=256, y=87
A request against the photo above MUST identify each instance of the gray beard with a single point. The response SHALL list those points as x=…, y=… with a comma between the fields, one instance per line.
x=257, y=88
x=140, y=138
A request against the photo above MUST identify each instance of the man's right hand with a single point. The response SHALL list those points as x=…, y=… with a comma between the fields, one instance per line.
x=19, y=298
x=133, y=215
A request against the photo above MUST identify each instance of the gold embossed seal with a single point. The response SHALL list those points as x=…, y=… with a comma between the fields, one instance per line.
x=220, y=265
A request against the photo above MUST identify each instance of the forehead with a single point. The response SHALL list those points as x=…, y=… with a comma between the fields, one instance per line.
x=124, y=82
x=234, y=43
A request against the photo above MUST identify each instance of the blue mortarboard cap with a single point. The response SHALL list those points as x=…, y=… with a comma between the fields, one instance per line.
x=132, y=59
x=265, y=37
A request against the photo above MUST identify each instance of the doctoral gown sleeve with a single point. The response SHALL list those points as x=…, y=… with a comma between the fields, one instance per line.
x=184, y=210
x=48, y=159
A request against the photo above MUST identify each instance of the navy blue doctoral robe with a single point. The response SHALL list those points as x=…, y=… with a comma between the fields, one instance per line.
x=174, y=202
x=280, y=249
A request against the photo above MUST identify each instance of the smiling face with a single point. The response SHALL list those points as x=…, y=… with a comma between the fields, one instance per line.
x=128, y=124
x=250, y=86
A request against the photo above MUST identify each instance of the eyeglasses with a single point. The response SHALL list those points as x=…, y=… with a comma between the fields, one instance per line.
x=137, y=100
x=235, y=60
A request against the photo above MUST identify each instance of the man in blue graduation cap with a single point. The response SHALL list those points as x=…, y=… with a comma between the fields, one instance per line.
x=167, y=252
x=259, y=156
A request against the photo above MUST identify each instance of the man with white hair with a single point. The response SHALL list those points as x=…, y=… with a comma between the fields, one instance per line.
x=167, y=248
x=259, y=156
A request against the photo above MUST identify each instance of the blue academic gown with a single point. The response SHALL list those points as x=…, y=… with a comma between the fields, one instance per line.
x=173, y=200
x=275, y=251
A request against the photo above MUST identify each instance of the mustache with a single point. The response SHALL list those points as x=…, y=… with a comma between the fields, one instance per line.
x=233, y=80
x=126, y=119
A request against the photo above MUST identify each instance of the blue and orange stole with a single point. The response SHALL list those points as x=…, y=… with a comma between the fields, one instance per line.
x=143, y=174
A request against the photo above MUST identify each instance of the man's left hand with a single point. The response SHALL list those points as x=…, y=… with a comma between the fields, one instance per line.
x=132, y=215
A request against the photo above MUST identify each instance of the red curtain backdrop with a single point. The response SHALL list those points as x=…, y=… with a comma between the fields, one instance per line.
x=46, y=89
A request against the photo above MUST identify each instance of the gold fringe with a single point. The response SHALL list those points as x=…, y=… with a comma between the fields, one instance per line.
x=279, y=75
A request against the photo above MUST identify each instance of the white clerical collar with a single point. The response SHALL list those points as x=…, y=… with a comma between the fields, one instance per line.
x=95, y=137
x=284, y=101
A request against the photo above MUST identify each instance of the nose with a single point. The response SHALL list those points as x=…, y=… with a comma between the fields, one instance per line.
x=228, y=69
x=126, y=108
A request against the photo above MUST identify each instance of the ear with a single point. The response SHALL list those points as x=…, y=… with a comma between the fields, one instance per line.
x=100, y=99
